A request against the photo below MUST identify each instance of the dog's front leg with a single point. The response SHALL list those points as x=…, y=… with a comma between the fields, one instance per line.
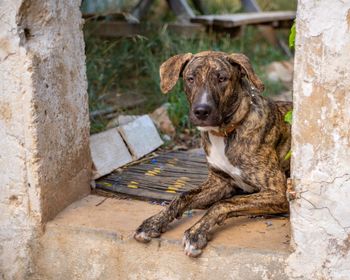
x=213, y=189
x=265, y=202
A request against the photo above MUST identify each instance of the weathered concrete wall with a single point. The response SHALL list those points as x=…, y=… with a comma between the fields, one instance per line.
x=320, y=217
x=44, y=128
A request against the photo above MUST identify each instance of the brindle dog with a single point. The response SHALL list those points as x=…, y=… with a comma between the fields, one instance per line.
x=245, y=139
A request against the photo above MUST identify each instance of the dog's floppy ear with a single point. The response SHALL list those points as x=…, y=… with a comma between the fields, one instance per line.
x=244, y=62
x=171, y=70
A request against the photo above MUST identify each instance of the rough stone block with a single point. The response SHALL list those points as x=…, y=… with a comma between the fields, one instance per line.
x=93, y=240
x=141, y=136
x=108, y=152
x=44, y=123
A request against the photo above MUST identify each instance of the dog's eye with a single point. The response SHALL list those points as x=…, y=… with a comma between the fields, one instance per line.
x=222, y=79
x=190, y=79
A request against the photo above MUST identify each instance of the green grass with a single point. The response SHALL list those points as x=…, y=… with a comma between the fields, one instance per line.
x=131, y=64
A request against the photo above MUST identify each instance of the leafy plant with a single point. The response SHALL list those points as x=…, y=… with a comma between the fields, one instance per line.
x=292, y=36
x=288, y=117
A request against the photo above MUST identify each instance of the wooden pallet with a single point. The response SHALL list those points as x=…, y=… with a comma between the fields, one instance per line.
x=159, y=178
x=241, y=19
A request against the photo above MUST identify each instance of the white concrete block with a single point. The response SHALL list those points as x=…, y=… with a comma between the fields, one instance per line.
x=141, y=136
x=108, y=152
x=44, y=123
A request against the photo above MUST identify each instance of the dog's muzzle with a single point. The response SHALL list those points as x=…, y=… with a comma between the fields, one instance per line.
x=202, y=111
x=204, y=115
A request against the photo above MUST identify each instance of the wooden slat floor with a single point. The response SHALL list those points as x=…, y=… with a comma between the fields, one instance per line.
x=158, y=178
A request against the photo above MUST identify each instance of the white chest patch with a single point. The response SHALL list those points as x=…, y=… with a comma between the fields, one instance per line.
x=218, y=159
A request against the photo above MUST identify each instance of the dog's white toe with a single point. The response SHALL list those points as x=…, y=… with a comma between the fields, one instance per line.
x=142, y=237
x=190, y=250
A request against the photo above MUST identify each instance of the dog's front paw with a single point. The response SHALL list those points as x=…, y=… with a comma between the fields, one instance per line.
x=142, y=236
x=194, y=242
x=150, y=228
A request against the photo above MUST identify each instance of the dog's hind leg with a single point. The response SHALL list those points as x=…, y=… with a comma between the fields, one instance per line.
x=265, y=202
x=213, y=189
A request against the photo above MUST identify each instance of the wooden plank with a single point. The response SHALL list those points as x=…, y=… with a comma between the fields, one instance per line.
x=114, y=29
x=106, y=16
x=254, y=18
x=239, y=19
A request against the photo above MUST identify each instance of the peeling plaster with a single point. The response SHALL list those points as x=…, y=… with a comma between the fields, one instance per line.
x=320, y=218
x=307, y=88
x=336, y=14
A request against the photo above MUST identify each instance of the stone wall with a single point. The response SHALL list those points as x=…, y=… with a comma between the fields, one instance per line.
x=44, y=127
x=44, y=155
x=320, y=216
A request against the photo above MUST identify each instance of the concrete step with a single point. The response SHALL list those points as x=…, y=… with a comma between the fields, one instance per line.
x=92, y=239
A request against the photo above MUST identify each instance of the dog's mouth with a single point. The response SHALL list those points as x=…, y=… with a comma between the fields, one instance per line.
x=211, y=121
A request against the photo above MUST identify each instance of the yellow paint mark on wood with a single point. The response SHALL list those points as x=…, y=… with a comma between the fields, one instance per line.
x=170, y=191
x=155, y=171
x=185, y=178
x=181, y=181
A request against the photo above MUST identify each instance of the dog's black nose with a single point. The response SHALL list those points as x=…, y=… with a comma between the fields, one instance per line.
x=202, y=111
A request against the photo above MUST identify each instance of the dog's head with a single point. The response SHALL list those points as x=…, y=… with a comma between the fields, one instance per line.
x=213, y=83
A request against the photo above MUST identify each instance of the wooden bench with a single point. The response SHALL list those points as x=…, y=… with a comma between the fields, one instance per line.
x=276, y=19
